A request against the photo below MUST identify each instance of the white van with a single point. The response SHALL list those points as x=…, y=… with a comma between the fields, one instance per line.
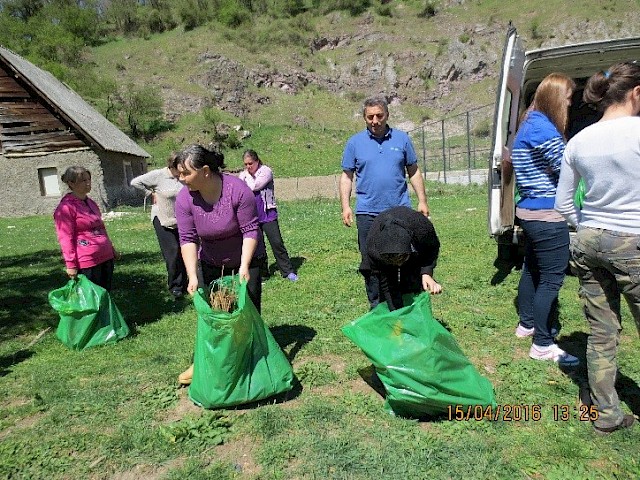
x=521, y=73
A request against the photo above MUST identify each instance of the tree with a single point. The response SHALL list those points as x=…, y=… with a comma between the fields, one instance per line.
x=22, y=9
x=139, y=108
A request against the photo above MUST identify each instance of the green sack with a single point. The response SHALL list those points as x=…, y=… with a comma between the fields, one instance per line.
x=88, y=316
x=418, y=361
x=578, y=197
x=236, y=360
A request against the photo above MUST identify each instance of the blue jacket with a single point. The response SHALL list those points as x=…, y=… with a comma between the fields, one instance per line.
x=536, y=157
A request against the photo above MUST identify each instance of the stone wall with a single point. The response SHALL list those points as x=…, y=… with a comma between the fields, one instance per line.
x=21, y=194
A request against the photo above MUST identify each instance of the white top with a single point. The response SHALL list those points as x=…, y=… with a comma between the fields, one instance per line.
x=607, y=155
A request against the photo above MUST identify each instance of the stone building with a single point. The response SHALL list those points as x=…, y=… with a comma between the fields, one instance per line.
x=46, y=127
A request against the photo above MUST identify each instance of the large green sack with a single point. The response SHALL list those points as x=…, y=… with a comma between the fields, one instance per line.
x=420, y=364
x=237, y=360
x=88, y=316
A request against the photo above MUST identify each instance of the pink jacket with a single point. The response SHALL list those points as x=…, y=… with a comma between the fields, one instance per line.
x=81, y=232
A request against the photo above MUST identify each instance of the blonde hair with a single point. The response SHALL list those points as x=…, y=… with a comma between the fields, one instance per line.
x=550, y=99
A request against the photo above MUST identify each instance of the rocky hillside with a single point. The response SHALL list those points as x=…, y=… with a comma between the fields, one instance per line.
x=427, y=66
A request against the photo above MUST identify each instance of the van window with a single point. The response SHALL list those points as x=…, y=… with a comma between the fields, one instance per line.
x=506, y=109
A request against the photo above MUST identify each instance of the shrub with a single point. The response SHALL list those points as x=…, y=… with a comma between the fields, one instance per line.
x=233, y=14
x=430, y=9
x=482, y=129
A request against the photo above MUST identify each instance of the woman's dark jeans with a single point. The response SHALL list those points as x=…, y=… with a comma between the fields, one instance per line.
x=545, y=263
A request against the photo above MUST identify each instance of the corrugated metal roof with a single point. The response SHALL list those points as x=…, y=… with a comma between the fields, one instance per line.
x=84, y=117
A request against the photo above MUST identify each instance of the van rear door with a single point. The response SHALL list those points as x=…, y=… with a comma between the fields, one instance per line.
x=505, y=121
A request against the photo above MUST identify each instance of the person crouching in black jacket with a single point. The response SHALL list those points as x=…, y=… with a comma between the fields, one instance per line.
x=402, y=251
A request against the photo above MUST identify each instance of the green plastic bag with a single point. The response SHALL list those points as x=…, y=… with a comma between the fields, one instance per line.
x=88, y=315
x=236, y=360
x=578, y=197
x=420, y=364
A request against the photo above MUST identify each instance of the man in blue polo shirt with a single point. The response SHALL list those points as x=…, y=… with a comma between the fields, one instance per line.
x=379, y=156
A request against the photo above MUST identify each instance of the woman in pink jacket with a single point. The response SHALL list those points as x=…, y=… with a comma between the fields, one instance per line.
x=86, y=247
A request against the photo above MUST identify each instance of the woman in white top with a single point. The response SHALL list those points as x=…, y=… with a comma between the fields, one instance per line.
x=163, y=185
x=606, y=155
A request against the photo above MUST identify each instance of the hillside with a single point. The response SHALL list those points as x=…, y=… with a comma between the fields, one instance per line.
x=296, y=85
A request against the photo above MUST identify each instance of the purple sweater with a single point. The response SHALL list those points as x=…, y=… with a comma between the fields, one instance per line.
x=219, y=229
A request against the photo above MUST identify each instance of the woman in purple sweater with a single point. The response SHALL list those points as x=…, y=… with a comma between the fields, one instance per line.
x=217, y=223
x=218, y=226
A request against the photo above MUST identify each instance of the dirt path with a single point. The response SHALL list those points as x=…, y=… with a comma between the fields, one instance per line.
x=327, y=186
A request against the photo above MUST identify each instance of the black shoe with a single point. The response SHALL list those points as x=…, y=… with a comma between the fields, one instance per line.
x=177, y=294
x=627, y=422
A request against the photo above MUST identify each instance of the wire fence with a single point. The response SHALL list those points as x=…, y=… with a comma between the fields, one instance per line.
x=460, y=143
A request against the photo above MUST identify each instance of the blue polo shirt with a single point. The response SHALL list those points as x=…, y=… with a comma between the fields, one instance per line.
x=379, y=165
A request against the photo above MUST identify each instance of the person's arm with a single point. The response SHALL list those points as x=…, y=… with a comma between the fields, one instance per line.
x=263, y=176
x=346, y=184
x=249, y=246
x=552, y=150
x=389, y=289
x=247, y=215
x=189, y=253
x=65, y=222
x=188, y=236
x=248, y=179
x=146, y=182
x=417, y=182
x=567, y=185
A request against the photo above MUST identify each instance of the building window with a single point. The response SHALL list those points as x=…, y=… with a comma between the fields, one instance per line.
x=48, y=178
x=128, y=173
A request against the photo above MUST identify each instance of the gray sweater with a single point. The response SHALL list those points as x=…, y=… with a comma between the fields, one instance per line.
x=165, y=187
x=607, y=155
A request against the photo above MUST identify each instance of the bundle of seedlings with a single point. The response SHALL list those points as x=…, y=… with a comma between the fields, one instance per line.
x=222, y=296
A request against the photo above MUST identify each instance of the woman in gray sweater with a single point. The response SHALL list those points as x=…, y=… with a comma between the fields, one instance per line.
x=163, y=186
x=606, y=155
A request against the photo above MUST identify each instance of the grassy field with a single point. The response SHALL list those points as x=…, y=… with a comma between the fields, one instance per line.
x=116, y=411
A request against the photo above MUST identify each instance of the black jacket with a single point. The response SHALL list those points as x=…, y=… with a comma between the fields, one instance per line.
x=401, y=230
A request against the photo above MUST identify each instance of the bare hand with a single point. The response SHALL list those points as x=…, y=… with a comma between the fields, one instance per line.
x=423, y=208
x=243, y=273
x=347, y=217
x=192, y=286
x=72, y=272
x=430, y=285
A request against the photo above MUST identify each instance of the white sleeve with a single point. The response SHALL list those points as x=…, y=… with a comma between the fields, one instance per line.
x=567, y=185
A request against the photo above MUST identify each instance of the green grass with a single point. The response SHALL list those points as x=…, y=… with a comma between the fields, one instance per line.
x=115, y=411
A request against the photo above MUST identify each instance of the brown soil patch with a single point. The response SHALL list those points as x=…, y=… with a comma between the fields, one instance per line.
x=239, y=452
x=144, y=471
x=183, y=408
x=22, y=424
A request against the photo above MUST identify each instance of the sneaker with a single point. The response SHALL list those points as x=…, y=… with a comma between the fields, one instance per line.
x=553, y=352
x=293, y=277
x=627, y=422
x=522, y=332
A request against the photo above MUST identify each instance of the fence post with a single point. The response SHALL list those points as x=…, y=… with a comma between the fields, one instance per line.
x=468, y=148
x=444, y=152
x=424, y=153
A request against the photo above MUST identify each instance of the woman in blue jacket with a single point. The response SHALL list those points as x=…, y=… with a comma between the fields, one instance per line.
x=536, y=157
